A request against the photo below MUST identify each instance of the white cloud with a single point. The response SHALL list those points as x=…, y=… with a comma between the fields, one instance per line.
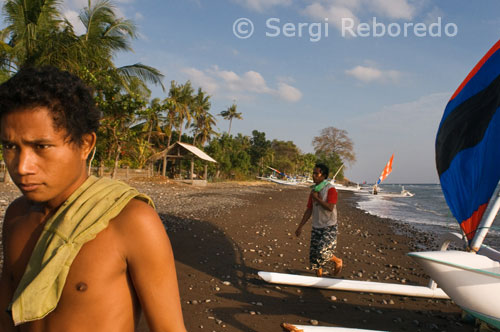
x=72, y=8
x=72, y=17
x=138, y=16
x=368, y=74
x=336, y=10
x=234, y=86
x=289, y=93
x=396, y=9
x=335, y=14
x=262, y=5
x=249, y=81
x=255, y=82
x=201, y=79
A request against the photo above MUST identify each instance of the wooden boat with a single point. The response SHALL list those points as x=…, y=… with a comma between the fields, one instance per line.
x=468, y=159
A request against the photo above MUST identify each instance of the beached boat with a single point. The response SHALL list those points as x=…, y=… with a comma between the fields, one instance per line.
x=285, y=179
x=468, y=168
x=340, y=186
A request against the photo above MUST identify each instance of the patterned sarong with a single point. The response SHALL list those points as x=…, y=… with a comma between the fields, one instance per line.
x=323, y=243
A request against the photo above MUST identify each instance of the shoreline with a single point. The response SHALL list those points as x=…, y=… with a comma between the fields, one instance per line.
x=223, y=234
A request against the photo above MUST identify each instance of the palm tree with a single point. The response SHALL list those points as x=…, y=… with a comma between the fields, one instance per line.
x=36, y=34
x=199, y=109
x=172, y=103
x=29, y=24
x=230, y=114
x=150, y=125
x=178, y=105
x=105, y=34
x=184, y=108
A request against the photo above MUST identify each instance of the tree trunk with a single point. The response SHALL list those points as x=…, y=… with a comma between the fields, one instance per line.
x=180, y=133
x=164, y=166
x=100, y=173
x=117, y=159
x=148, y=146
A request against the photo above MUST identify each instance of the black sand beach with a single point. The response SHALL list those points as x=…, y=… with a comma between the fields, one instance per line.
x=223, y=234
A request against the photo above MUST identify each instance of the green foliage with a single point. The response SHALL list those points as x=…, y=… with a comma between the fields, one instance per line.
x=333, y=161
x=246, y=157
x=231, y=113
x=134, y=128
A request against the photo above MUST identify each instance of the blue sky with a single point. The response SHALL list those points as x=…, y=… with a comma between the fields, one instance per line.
x=388, y=92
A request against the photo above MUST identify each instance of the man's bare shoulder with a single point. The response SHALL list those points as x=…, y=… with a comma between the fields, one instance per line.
x=139, y=220
x=137, y=211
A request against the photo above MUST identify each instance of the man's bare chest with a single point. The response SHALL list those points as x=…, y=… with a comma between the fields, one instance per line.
x=99, y=263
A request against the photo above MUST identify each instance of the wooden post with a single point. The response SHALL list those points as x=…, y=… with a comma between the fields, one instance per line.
x=192, y=169
x=164, y=165
x=101, y=169
x=205, y=173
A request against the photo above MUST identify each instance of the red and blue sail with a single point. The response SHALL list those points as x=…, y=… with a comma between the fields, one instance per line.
x=468, y=143
x=386, y=171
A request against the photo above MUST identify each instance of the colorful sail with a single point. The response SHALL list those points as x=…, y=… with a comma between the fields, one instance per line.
x=387, y=170
x=277, y=171
x=468, y=143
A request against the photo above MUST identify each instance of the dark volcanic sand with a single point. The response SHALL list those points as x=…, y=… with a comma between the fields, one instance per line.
x=223, y=234
x=220, y=250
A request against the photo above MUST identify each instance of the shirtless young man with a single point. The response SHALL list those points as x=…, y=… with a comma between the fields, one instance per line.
x=48, y=122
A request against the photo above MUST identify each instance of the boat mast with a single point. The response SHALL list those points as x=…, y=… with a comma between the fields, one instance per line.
x=337, y=172
x=487, y=220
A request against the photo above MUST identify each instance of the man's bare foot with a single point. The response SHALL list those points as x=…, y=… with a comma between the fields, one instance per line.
x=319, y=272
x=338, y=267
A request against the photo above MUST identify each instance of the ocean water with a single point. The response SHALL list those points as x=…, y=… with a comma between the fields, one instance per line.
x=427, y=210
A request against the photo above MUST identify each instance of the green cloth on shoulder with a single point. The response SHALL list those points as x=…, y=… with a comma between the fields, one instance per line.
x=79, y=219
x=319, y=186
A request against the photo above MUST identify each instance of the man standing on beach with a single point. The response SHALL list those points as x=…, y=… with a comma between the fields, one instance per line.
x=80, y=253
x=322, y=206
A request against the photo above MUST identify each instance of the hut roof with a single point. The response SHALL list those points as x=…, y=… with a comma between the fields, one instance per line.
x=182, y=149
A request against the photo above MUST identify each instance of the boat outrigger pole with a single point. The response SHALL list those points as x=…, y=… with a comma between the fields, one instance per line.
x=337, y=172
x=487, y=220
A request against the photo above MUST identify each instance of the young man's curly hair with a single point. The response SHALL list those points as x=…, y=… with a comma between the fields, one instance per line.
x=68, y=99
x=323, y=168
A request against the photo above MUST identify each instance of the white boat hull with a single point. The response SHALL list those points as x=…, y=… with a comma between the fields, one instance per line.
x=352, y=285
x=472, y=281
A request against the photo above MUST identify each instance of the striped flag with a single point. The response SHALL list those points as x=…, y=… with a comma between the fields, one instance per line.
x=387, y=170
x=467, y=143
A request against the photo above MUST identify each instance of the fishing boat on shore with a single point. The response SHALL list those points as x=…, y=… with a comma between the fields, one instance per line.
x=283, y=178
x=340, y=186
x=469, y=172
